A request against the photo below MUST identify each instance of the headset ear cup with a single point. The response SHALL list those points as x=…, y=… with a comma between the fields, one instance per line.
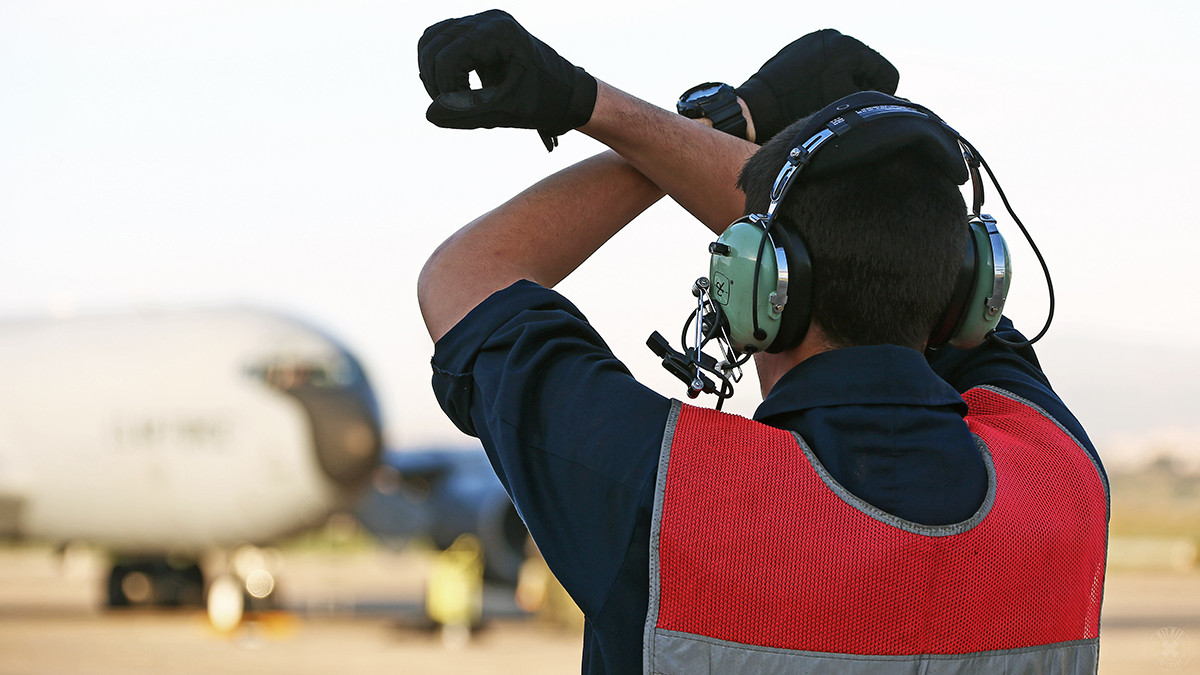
x=733, y=269
x=797, y=313
x=964, y=286
x=989, y=288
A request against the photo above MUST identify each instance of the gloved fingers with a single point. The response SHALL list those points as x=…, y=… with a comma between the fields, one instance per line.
x=447, y=69
x=865, y=68
x=460, y=109
x=485, y=108
x=857, y=73
x=876, y=73
x=430, y=46
x=448, y=51
x=805, y=47
x=493, y=73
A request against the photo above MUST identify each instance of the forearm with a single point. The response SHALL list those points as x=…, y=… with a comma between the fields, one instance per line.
x=542, y=234
x=697, y=165
x=548, y=230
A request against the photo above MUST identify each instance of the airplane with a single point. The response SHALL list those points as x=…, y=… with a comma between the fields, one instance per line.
x=440, y=493
x=162, y=435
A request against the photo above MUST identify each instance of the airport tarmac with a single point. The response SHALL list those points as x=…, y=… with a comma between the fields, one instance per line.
x=361, y=613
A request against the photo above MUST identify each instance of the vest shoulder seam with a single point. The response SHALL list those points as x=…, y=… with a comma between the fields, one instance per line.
x=870, y=510
x=1042, y=411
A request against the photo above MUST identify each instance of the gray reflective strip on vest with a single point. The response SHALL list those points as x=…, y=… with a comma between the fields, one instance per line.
x=649, y=636
x=684, y=654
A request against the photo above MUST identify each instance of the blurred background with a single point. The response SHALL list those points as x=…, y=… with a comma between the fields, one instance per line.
x=182, y=158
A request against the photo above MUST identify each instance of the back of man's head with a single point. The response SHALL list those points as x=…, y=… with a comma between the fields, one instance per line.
x=886, y=240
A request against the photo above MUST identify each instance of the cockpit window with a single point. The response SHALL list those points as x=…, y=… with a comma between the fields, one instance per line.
x=291, y=373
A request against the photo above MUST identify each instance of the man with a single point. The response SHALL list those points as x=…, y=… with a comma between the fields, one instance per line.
x=700, y=542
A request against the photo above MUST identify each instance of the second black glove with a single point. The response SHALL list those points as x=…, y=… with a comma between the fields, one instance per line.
x=809, y=74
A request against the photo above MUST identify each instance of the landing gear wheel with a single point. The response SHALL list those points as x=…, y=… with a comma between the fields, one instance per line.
x=226, y=603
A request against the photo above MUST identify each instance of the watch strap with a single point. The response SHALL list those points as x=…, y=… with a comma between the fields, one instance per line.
x=721, y=107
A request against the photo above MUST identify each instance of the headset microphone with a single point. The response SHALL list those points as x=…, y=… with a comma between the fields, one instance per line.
x=690, y=365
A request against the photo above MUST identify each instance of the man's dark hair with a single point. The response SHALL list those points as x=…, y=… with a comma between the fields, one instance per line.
x=886, y=241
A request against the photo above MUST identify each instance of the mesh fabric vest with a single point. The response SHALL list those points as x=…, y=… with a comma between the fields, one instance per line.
x=761, y=563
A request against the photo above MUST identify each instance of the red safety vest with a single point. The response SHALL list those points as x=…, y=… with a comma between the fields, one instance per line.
x=761, y=563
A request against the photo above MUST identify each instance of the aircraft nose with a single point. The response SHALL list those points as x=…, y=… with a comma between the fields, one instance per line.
x=345, y=432
x=342, y=412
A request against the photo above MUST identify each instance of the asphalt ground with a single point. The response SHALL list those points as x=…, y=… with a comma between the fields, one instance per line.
x=362, y=612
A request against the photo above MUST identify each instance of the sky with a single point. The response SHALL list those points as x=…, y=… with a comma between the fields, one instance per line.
x=275, y=154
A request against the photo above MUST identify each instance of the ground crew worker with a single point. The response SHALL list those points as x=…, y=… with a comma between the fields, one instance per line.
x=892, y=507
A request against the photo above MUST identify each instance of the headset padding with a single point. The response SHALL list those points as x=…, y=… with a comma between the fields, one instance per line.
x=878, y=137
x=798, y=311
x=964, y=290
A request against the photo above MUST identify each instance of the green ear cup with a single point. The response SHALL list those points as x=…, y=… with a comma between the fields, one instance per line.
x=992, y=281
x=731, y=273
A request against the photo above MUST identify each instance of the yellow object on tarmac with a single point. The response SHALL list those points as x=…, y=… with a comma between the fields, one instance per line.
x=454, y=593
x=539, y=591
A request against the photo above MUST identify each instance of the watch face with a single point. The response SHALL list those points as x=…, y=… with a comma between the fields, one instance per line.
x=702, y=93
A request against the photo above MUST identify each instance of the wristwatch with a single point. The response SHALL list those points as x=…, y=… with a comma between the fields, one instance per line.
x=717, y=102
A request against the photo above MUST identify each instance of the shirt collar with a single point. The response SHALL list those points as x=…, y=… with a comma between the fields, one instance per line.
x=870, y=375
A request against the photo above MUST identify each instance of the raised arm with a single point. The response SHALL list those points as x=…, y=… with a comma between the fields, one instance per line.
x=700, y=171
x=542, y=235
x=695, y=164
x=549, y=229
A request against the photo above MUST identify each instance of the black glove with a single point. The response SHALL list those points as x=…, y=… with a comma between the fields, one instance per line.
x=526, y=84
x=809, y=74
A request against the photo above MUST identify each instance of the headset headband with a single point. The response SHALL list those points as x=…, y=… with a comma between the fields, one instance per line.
x=894, y=124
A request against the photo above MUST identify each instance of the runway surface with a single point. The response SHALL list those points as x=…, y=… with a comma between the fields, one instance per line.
x=361, y=613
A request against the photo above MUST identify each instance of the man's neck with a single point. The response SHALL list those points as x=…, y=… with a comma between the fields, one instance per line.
x=771, y=367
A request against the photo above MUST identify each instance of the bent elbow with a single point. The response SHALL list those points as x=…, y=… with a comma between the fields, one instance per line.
x=431, y=286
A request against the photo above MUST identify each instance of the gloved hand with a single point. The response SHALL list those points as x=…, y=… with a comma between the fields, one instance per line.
x=526, y=84
x=809, y=74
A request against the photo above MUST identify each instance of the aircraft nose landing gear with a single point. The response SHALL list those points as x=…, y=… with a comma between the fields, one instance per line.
x=155, y=582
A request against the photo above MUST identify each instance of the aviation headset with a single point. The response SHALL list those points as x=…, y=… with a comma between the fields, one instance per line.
x=758, y=296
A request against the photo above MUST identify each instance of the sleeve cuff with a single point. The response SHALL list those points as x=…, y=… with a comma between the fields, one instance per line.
x=454, y=354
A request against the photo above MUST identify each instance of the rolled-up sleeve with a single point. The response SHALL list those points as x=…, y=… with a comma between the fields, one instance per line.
x=573, y=436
